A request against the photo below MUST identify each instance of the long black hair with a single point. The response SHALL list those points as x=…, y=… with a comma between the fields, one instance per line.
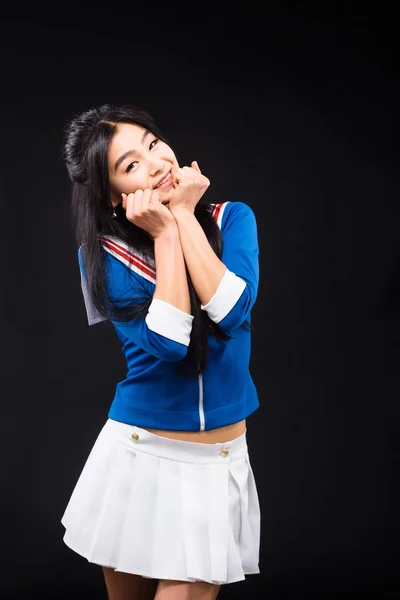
x=86, y=142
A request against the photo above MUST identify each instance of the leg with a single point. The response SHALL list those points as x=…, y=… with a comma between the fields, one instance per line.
x=182, y=590
x=125, y=586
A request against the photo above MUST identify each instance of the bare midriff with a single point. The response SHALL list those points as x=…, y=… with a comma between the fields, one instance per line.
x=212, y=436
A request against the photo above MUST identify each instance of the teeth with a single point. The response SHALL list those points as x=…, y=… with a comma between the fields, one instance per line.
x=161, y=182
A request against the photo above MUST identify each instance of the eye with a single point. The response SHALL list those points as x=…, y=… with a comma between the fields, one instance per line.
x=131, y=166
x=153, y=143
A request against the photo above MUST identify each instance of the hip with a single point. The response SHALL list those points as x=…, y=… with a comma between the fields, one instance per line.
x=211, y=436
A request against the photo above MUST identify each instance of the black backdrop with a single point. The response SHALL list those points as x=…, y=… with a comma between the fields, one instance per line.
x=294, y=112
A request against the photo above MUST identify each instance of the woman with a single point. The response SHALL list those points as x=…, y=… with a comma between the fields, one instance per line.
x=166, y=502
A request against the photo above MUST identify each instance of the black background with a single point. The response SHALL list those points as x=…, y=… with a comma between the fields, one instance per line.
x=295, y=112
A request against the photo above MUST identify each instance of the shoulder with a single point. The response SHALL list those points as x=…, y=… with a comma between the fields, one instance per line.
x=122, y=259
x=226, y=213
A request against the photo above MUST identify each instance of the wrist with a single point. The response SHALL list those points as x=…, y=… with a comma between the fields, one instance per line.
x=169, y=232
x=179, y=211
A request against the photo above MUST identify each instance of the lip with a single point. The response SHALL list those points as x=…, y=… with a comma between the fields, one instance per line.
x=167, y=182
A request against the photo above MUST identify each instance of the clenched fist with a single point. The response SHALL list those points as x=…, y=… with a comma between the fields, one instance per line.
x=190, y=185
x=144, y=209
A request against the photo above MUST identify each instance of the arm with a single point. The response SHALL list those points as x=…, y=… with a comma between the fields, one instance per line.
x=165, y=331
x=205, y=268
x=226, y=288
x=169, y=312
x=172, y=285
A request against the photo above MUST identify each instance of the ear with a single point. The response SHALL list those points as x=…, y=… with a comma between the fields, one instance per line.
x=195, y=166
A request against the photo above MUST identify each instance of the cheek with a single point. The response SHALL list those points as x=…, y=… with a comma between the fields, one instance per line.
x=174, y=162
x=129, y=183
x=168, y=154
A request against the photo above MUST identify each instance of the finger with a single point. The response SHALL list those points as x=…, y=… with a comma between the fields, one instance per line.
x=189, y=173
x=179, y=173
x=137, y=198
x=130, y=204
x=134, y=201
x=146, y=197
x=195, y=165
x=155, y=199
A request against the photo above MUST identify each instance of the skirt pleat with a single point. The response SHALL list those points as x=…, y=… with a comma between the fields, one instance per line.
x=205, y=521
x=218, y=521
x=167, y=554
x=166, y=509
x=246, y=512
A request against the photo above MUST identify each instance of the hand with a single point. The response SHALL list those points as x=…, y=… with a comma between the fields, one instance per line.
x=190, y=185
x=144, y=209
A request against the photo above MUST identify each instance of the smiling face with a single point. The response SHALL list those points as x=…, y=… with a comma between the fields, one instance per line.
x=137, y=160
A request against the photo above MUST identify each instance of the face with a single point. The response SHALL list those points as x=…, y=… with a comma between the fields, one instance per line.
x=137, y=160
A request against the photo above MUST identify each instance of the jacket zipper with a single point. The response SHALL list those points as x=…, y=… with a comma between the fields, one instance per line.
x=201, y=407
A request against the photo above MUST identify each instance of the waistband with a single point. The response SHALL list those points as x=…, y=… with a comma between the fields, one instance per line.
x=145, y=441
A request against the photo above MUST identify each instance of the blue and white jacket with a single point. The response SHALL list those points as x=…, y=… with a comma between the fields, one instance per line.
x=154, y=393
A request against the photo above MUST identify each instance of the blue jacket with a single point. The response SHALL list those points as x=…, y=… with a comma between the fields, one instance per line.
x=154, y=393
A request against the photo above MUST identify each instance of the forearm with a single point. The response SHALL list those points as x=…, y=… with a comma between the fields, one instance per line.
x=205, y=268
x=171, y=279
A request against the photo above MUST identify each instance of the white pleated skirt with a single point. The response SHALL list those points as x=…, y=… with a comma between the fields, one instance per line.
x=166, y=509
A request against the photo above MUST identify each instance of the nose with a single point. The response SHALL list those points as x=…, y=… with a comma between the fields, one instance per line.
x=156, y=167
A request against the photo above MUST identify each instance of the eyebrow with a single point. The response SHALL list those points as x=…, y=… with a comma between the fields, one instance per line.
x=129, y=152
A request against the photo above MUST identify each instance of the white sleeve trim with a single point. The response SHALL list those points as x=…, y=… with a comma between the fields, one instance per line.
x=228, y=293
x=171, y=322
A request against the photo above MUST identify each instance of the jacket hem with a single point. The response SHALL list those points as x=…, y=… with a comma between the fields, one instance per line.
x=184, y=420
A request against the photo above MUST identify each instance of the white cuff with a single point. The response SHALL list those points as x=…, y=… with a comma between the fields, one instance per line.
x=228, y=293
x=171, y=322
